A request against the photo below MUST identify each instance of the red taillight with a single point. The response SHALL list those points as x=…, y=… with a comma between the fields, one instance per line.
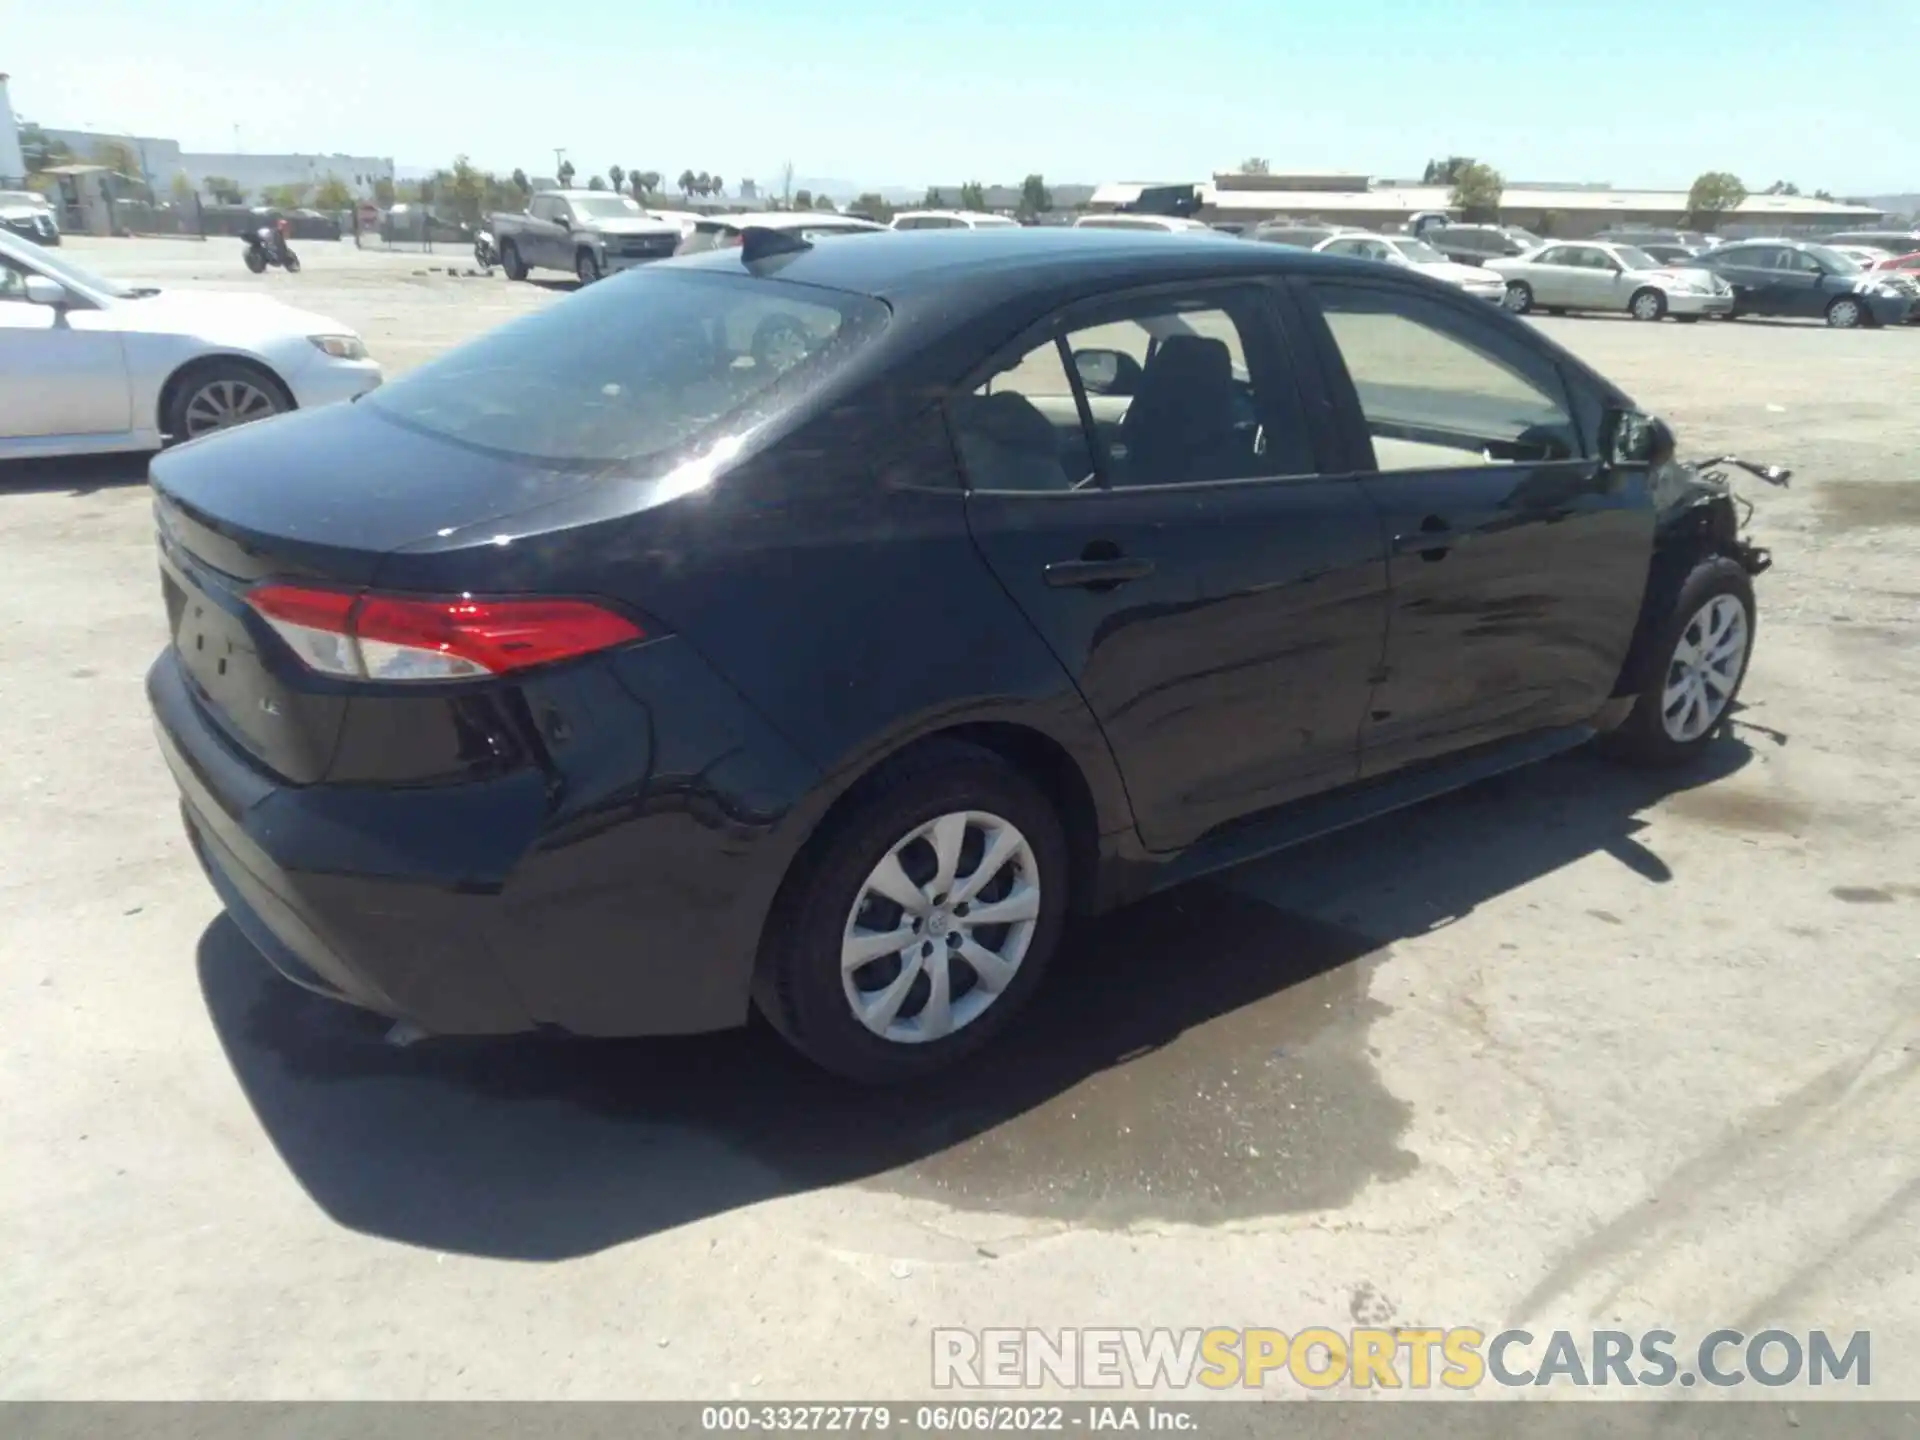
x=407, y=637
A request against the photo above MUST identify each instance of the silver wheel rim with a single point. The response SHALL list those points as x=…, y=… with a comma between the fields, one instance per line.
x=1518, y=300
x=221, y=404
x=1845, y=314
x=1647, y=307
x=1705, y=669
x=940, y=926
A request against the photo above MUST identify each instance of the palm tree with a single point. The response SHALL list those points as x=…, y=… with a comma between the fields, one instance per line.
x=617, y=176
x=686, y=182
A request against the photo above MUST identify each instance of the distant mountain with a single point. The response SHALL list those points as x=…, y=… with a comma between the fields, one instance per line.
x=1896, y=204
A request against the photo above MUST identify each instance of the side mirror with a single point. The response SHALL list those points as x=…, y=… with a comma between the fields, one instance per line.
x=42, y=290
x=1107, y=372
x=1630, y=438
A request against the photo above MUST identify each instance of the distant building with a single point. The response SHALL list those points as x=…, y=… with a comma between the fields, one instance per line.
x=13, y=165
x=1559, y=209
x=1008, y=197
x=160, y=160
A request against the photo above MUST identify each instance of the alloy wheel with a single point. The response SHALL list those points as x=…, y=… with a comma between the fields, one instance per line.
x=940, y=926
x=1705, y=669
x=222, y=404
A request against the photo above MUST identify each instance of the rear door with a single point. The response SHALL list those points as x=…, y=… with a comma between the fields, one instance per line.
x=1517, y=560
x=1172, y=530
x=1751, y=271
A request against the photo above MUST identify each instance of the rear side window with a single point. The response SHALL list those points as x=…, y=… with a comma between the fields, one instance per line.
x=636, y=368
x=1439, y=390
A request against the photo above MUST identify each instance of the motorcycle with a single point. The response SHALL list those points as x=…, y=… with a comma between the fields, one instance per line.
x=485, y=255
x=267, y=246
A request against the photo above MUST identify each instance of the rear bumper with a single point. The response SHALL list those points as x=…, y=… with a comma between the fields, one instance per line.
x=498, y=905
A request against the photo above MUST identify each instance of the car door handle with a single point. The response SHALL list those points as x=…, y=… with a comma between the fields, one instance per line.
x=1104, y=573
x=1431, y=541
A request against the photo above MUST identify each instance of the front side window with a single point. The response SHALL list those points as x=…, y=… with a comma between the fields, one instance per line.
x=544, y=207
x=1438, y=390
x=606, y=207
x=1173, y=391
x=620, y=374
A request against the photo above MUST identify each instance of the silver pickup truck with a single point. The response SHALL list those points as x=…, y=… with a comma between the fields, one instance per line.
x=590, y=232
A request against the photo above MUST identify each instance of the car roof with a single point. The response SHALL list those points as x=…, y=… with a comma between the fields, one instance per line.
x=958, y=270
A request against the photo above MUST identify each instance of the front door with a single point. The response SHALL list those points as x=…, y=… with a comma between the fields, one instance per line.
x=1144, y=481
x=1517, y=560
x=61, y=372
x=1555, y=277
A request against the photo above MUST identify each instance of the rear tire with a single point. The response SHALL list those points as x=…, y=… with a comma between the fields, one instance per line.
x=1519, y=297
x=807, y=989
x=292, y=263
x=256, y=262
x=510, y=261
x=1690, y=693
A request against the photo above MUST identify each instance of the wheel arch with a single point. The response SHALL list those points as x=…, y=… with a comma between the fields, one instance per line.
x=1699, y=533
x=185, y=372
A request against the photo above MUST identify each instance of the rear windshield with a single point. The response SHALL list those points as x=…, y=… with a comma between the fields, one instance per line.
x=636, y=368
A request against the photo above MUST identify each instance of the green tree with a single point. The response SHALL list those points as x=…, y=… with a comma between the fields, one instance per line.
x=520, y=181
x=1826, y=195
x=1035, y=198
x=597, y=182
x=931, y=200
x=719, y=186
x=1255, y=166
x=703, y=184
x=181, y=188
x=40, y=150
x=225, y=192
x=332, y=194
x=650, y=182
x=617, y=177
x=823, y=201
x=973, y=196
x=1447, y=171
x=803, y=199
x=685, y=182
x=565, y=174
x=286, y=197
x=119, y=157
x=1713, y=195
x=1477, y=189
x=874, y=206
x=383, y=191
x=1782, y=187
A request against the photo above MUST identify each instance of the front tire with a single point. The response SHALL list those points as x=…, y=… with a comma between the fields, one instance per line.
x=220, y=395
x=1845, y=312
x=292, y=263
x=1705, y=646
x=1519, y=297
x=1648, y=304
x=586, y=265
x=511, y=262
x=917, y=927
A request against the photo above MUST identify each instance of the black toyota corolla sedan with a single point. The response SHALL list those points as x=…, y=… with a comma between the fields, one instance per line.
x=815, y=627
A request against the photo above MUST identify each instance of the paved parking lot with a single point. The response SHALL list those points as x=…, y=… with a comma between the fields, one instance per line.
x=1571, y=1049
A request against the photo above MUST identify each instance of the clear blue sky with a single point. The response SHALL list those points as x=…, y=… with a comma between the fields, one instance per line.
x=1637, y=92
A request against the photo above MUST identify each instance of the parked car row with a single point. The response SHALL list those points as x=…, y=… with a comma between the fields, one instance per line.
x=29, y=214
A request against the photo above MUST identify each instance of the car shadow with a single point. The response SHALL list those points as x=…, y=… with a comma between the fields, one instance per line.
x=559, y=287
x=1201, y=1056
x=76, y=475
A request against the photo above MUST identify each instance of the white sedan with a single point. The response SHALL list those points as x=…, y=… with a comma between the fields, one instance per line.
x=89, y=365
x=1561, y=276
x=1410, y=253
